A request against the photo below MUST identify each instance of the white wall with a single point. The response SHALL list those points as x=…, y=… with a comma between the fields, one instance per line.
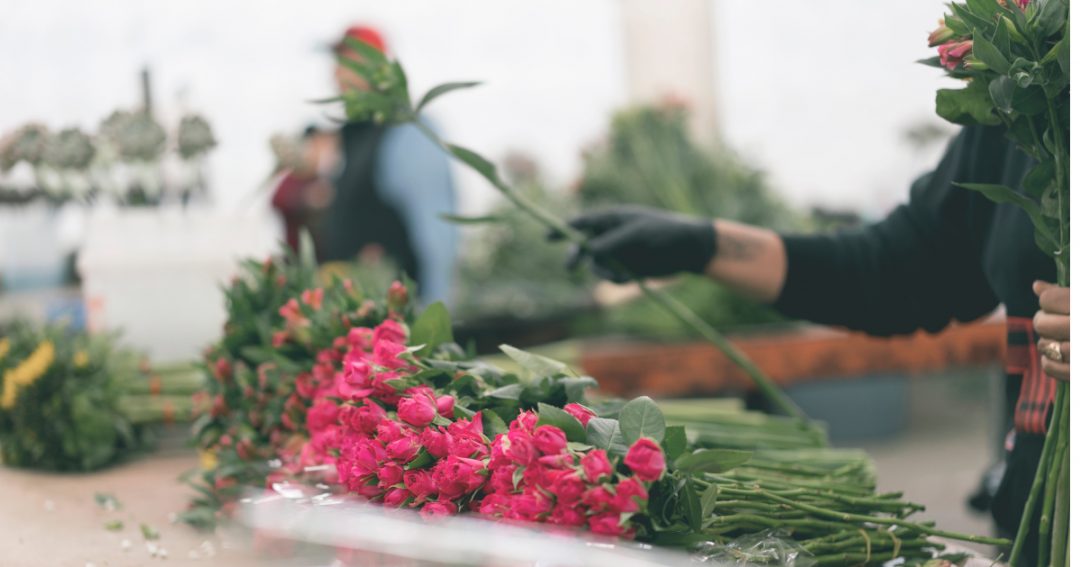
x=817, y=92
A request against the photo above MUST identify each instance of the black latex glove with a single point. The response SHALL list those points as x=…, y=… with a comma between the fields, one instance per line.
x=649, y=243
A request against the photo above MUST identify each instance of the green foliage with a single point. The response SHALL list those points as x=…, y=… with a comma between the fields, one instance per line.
x=650, y=159
x=62, y=402
x=431, y=329
x=641, y=417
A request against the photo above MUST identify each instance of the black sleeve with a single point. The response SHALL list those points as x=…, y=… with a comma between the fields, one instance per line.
x=920, y=268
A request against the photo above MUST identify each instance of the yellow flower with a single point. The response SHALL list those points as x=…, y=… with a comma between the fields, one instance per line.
x=208, y=460
x=81, y=359
x=27, y=372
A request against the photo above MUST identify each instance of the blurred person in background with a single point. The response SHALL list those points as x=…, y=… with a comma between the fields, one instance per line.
x=388, y=187
x=948, y=254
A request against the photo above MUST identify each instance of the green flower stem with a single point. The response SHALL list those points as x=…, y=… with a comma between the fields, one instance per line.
x=1060, y=538
x=884, y=521
x=771, y=391
x=1040, y=478
x=1049, y=495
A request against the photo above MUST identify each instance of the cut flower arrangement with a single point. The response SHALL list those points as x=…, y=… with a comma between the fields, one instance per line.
x=359, y=393
x=77, y=402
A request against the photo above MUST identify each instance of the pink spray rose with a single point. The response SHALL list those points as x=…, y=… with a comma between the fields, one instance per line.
x=435, y=441
x=390, y=474
x=596, y=465
x=567, y=515
x=550, y=440
x=445, y=406
x=609, y=524
x=389, y=331
x=629, y=495
x=321, y=415
x=420, y=484
x=519, y=447
x=364, y=419
x=418, y=407
x=439, y=508
x=525, y=421
x=646, y=459
x=405, y=449
x=396, y=497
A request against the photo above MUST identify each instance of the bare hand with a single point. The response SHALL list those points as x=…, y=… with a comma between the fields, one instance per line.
x=1052, y=325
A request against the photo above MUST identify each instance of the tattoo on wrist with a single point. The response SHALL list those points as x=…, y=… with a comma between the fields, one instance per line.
x=737, y=247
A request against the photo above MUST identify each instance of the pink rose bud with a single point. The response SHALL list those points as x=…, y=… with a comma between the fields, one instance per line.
x=580, y=412
x=646, y=459
x=569, y=488
x=550, y=440
x=321, y=415
x=389, y=331
x=418, y=408
x=396, y=497
x=567, y=515
x=439, y=508
x=445, y=405
x=435, y=442
x=519, y=448
x=630, y=494
x=390, y=474
x=420, y=484
x=389, y=431
x=525, y=421
x=596, y=465
x=609, y=524
x=398, y=296
x=404, y=450
x=598, y=499
x=366, y=418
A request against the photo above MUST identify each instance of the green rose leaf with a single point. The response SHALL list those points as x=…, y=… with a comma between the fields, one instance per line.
x=691, y=504
x=551, y=415
x=712, y=460
x=641, y=417
x=1003, y=194
x=1001, y=91
x=575, y=388
x=674, y=444
x=708, y=500
x=493, y=424
x=603, y=433
x=431, y=329
x=539, y=366
x=507, y=392
x=442, y=89
x=422, y=459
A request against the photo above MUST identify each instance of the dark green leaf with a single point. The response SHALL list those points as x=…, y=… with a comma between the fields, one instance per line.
x=691, y=505
x=1003, y=194
x=575, y=388
x=519, y=473
x=603, y=433
x=641, y=417
x=708, y=500
x=507, y=392
x=477, y=162
x=538, y=365
x=969, y=105
x=1063, y=55
x=712, y=460
x=985, y=9
x=986, y=52
x=432, y=328
x=1001, y=91
x=551, y=415
x=442, y=89
x=1049, y=18
x=422, y=459
x=674, y=444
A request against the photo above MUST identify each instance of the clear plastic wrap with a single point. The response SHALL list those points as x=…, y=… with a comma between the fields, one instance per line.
x=769, y=548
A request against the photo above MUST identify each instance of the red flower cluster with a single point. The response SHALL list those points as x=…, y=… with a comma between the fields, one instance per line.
x=405, y=449
x=536, y=477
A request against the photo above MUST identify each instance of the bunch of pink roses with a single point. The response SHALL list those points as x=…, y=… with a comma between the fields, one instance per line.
x=535, y=476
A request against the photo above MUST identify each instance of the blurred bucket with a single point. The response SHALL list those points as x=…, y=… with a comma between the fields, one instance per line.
x=156, y=274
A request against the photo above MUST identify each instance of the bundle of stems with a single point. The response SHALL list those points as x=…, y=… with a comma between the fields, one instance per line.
x=724, y=423
x=839, y=524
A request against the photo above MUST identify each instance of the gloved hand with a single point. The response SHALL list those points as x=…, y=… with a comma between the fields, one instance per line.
x=646, y=242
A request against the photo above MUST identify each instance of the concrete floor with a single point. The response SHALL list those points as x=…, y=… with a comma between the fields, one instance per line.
x=50, y=520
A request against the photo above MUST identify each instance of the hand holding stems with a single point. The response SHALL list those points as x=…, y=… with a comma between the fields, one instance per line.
x=1052, y=325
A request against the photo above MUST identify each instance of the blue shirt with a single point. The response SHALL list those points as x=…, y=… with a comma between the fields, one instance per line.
x=413, y=175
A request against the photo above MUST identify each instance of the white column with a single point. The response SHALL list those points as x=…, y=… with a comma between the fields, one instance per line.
x=671, y=51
